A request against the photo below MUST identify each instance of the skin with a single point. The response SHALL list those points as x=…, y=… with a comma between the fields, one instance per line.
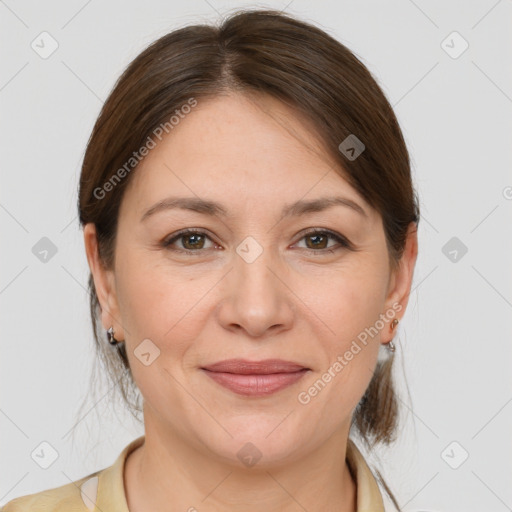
x=298, y=301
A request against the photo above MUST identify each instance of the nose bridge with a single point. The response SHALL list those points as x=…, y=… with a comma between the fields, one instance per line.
x=250, y=250
x=257, y=298
x=255, y=282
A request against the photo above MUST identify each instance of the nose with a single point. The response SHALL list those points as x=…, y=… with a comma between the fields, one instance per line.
x=256, y=299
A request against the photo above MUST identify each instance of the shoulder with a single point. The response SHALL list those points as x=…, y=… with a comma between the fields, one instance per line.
x=101, y=490
x=72, y=497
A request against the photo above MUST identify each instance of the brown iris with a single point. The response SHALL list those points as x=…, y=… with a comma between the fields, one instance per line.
x=317, y=245
x=196, y=243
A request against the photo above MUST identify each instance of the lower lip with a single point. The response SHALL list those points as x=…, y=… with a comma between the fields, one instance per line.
x=256, y=385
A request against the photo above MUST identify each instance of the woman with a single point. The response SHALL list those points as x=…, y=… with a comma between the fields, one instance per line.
x=251, y=229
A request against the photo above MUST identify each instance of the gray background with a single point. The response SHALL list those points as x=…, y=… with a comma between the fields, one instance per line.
x=454, y=342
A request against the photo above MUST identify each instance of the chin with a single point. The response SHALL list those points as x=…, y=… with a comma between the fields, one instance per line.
x=259, y=441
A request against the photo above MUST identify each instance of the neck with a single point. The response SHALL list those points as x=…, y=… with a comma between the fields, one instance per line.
x=165, y=473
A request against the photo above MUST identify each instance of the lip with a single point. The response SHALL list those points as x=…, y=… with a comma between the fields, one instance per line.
x=246, y=367
x=255, y=378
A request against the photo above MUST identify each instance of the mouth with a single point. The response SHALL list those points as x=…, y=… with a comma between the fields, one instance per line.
x=255, y=378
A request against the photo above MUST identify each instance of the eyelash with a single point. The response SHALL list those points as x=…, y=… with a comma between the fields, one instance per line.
x=331, y=234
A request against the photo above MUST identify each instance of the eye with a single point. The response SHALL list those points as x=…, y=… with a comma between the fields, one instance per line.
x=317, y=240
x=192, y=240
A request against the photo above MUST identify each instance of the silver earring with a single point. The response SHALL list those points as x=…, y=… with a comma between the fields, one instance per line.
x=110, y=335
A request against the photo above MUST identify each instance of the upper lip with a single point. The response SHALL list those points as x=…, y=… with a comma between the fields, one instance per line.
x=246, y=367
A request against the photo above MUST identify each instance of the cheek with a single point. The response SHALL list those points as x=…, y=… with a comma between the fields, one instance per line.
x=350, y=306
x=161, y=305
x=144, y=302
x=350, y=301
x=163, y=308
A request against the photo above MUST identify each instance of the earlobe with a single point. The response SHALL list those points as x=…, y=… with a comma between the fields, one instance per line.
x=390, y=345
x=103, y=280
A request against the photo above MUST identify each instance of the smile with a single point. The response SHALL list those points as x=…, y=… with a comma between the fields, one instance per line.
x=255, y=378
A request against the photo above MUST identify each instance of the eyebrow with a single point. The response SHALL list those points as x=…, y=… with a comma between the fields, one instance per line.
x=212, y=208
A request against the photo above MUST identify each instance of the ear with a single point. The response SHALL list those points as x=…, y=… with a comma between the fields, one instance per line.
x=400, y=280
x=104, y=282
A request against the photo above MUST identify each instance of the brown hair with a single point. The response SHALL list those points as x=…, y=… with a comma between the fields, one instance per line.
x=274, y=54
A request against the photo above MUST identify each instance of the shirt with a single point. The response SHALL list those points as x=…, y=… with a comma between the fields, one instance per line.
x=105, y=489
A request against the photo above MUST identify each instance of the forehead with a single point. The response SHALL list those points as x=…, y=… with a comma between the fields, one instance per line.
x=249, y=148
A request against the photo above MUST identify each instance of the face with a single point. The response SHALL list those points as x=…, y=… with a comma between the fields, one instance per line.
x=263, y=277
